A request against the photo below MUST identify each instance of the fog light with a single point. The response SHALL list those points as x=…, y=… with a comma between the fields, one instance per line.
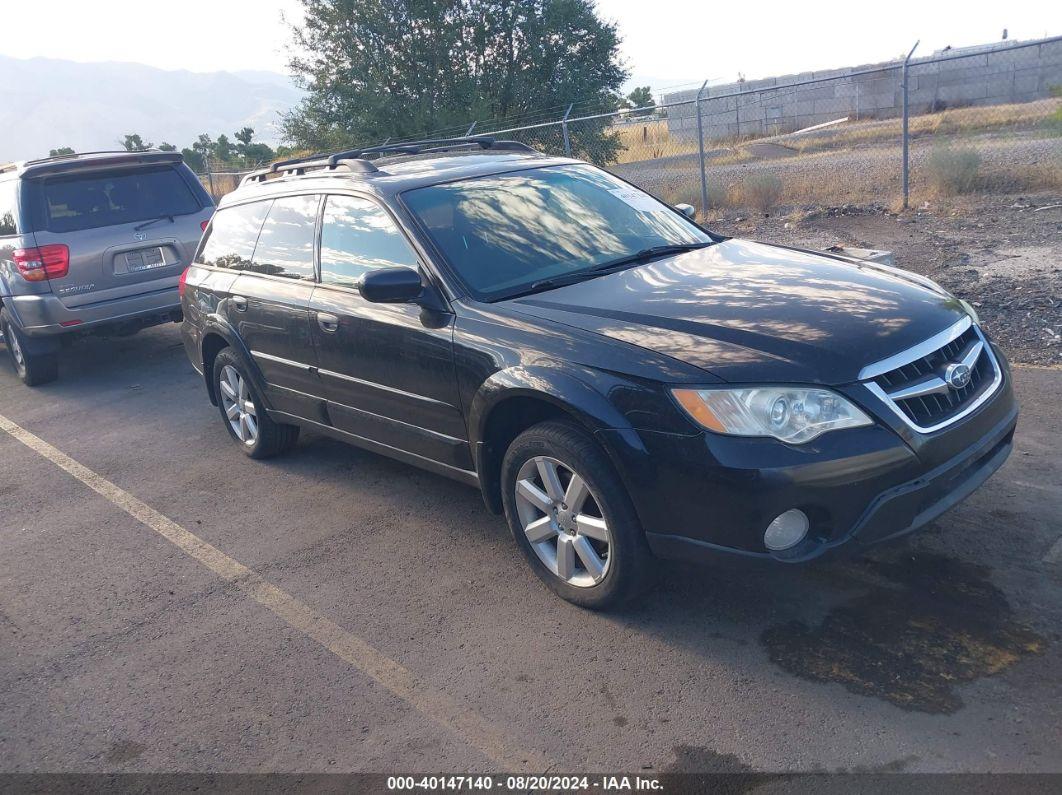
x=787, y=530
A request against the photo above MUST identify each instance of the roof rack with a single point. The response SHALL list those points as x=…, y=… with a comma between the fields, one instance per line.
x=434, y=145
x=353, y=160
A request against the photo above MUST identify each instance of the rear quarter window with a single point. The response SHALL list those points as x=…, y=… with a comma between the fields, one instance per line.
x=232, y=235
x=91, y=200
x=8, y=208
x=286, y=242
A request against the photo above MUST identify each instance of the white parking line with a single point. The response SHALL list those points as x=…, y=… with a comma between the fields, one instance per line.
x=493, y=742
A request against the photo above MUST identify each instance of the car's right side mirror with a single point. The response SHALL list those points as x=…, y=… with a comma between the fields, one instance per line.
x=391, y=286
x=687, y=210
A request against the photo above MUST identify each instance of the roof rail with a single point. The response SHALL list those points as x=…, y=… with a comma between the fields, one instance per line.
x=353, y=160
x=300, y=165
x=433, y=145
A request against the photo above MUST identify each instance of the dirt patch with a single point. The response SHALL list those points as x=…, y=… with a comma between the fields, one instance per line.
x=1003, y=254
x=927, y=624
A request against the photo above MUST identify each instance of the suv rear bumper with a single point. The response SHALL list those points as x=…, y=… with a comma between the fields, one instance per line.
x=45, y=315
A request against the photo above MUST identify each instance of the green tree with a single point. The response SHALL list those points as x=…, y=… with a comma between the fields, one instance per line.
x=244, y=136
x=165, y=147
x=224, y=150
x=401, y=68
x=134, y=143
x=194, y=160
x=62, y=150
x=642, y=97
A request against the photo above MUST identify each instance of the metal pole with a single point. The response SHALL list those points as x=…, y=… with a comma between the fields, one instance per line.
x=564, y=130
x=906, y=116
x=471, y=128
x=700, y=149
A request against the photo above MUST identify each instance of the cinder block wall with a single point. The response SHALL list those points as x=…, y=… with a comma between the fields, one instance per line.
x=1010, y=72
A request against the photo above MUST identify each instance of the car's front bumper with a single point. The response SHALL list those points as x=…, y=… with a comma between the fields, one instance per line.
x=706, y=494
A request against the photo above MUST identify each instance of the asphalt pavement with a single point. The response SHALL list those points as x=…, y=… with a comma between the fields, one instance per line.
x=168, y=604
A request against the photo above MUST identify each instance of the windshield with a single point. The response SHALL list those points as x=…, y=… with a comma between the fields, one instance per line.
x=91, y=199
x=504, y=233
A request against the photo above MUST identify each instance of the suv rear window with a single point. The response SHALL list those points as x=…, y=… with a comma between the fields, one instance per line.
x=88, y=201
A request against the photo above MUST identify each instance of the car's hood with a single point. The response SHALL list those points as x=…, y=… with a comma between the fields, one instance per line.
x=748, y=311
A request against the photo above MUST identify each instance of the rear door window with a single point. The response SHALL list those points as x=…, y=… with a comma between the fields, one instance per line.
x=357, y=236
x=233, y=232
x=285, y=245
x=90, y=200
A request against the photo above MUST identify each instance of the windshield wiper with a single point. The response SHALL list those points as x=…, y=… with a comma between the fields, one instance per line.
x=146, y=224
x=644, y=255
x=648, y=254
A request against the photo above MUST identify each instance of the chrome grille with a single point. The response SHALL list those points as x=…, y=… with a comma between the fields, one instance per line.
x=926, y=388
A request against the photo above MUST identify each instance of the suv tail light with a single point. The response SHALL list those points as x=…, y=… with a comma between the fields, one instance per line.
x=42, y=263
x=204, y=225
x=182, y=281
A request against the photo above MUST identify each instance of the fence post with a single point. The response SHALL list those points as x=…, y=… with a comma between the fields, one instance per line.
x=471, y=128
x=700, y=150
x=564, y=130
x=906, y=115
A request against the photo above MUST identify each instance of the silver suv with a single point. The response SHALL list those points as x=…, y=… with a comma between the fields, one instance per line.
x=92, y=243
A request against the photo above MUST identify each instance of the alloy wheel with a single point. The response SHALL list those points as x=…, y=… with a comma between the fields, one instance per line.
x=563, y=521
x=238, y=406
x=16, y=350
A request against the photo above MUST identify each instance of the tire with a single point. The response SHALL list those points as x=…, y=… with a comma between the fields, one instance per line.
x=33, y=368
x=601, y=519
x=260, y=437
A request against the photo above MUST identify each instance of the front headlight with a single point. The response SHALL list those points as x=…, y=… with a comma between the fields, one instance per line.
x=791, y=414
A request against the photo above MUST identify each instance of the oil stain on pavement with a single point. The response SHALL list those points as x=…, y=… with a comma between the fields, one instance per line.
x=927, y=624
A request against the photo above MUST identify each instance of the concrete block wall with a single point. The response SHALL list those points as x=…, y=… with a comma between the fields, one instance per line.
x=1008, y=72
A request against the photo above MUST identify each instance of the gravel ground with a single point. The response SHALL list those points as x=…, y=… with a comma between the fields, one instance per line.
x=1003, y=254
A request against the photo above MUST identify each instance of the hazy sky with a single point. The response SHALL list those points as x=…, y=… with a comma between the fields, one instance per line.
x=667, y=41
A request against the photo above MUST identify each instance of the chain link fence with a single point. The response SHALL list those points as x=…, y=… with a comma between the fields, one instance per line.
x=985, y=118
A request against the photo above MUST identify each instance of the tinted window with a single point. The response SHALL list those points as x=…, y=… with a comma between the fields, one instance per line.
x=233, y=232
x=285, y=245
x=504, y=232
x=8, y=200
x=357, y=236
x=91, y=200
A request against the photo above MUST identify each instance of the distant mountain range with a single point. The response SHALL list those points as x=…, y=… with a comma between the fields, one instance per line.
x=52, y=103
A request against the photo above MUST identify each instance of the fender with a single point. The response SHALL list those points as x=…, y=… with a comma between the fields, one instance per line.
x=563, y=389
x=217, y=324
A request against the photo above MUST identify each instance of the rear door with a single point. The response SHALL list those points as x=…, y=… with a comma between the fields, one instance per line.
x=130, y=229
x=270, y=300
x=387, y=370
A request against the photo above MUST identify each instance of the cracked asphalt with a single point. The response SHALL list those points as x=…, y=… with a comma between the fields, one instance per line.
x=120, y=651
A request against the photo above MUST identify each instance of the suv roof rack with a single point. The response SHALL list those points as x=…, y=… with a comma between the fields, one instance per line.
x=353, y=160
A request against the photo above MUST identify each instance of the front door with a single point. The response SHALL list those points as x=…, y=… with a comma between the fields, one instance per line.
x=387, y=370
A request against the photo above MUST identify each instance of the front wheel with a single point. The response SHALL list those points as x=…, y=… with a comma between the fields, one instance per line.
x=32, y=368
x=572, y=518
x=244, y=415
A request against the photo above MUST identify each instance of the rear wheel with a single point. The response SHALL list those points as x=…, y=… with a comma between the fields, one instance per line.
x=243, y=412
x=32, y=368
x=571, y=517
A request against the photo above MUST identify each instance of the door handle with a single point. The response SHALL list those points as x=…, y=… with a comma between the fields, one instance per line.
x=327, y=322
x=240, y=303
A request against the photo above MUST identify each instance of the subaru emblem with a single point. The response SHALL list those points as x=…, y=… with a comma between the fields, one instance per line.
x=140, y=236
x=957, y=375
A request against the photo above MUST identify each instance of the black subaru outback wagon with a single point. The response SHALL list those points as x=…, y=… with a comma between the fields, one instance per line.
x=617, y=380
